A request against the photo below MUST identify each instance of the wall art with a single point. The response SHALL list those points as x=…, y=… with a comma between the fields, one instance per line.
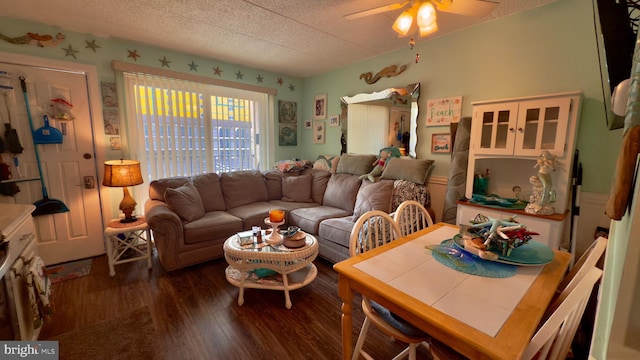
x=287, y=112
x=442, y=112
x=308, y=124
x=318, y=132
x=334, y=120
x=441, y=143
x=320, y=107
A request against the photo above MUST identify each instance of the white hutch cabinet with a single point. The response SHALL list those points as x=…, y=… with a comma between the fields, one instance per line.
x=507, y=136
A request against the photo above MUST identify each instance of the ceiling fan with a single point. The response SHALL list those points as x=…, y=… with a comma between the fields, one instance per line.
x=424, y=11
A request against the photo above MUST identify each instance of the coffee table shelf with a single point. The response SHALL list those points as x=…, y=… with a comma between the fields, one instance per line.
x=294, y=267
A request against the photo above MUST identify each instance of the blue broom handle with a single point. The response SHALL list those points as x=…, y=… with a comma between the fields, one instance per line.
x=35, y=146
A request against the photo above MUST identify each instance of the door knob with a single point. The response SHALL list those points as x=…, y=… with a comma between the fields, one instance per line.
x=86, y=156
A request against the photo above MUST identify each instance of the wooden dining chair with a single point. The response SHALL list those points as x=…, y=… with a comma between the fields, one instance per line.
x=411, y=216
x=554, y=337
x=587, y=261
x=372, y=229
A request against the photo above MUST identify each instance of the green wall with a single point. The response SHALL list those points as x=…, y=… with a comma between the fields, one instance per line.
x=114, y=49
x=549, y=49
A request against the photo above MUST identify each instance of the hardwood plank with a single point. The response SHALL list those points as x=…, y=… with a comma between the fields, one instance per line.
x=197, y=316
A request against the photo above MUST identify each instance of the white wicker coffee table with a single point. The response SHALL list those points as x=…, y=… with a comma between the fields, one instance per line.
x=294, y=267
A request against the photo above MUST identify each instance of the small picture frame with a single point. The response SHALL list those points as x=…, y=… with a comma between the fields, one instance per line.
x=308, y=124
x=441, y=143
x=318, y=132
x=334, y=120
x=320, y=107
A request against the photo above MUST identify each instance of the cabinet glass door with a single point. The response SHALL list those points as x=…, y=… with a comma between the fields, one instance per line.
x=541, y=126
x=496, y=135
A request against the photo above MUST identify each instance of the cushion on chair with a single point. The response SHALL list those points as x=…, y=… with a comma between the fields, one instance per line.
x=397, y=322
x=185, y=201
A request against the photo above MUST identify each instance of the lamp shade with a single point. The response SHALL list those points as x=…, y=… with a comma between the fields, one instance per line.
x=403, y=22
x=122, y=173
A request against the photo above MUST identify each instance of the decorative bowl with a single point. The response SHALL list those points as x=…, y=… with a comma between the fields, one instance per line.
x=497, y=235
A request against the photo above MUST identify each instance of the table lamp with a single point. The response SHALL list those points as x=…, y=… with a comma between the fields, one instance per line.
x=123, y=173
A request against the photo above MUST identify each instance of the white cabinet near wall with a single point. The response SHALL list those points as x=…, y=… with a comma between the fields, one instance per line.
x=507, y=137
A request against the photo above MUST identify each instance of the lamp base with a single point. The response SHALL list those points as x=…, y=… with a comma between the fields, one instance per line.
x=127, y=220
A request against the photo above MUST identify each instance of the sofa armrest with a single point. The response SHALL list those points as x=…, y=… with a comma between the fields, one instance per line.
x=168, y=233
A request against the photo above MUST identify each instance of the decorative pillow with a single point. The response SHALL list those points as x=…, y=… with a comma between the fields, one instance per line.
x=341, y=191
x=373, y=196
x=327, y=163
x=292, y=165
x=185, y=201
x=414, y=170
x=296, y=188
x=355, y=164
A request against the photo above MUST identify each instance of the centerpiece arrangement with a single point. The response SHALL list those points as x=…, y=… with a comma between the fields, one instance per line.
x=487, y=237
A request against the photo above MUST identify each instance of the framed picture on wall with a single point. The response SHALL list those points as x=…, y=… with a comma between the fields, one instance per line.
x=441, y=143
x=318, y=132
x=308, y=124
x=334, y=120
x=320, y=107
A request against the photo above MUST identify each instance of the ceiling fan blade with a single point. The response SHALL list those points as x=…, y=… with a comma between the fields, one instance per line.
x=376, y=10
x=476, y=8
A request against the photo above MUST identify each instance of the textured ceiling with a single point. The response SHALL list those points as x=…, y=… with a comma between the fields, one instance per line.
x=298, y=38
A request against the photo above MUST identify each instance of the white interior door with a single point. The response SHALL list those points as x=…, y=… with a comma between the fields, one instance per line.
x=75, y=234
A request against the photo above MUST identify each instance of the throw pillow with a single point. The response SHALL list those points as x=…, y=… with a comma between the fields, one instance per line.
x=327, y=163
x=341, y=191
x=185, y=201
x=413, y=170
x=296, y=188
x=373, y=196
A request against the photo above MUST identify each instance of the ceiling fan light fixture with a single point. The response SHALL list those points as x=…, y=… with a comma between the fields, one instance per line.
x=426, y=18
x=403, y=23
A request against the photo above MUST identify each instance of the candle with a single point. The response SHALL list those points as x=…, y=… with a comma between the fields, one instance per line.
x=276, y=216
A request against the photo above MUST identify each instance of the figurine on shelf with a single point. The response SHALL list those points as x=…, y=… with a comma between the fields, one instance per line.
x=542, y=195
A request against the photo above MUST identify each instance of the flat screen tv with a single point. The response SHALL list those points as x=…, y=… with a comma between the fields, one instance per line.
x=616, y=42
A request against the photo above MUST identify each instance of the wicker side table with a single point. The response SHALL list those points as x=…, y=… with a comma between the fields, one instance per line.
x=294, y=265
x=127, y=242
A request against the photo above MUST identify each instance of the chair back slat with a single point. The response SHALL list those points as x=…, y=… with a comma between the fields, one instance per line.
x=554, y=337
x=411, y=216
x=372, y=229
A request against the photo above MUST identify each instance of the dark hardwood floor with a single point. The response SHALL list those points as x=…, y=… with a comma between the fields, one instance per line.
x=197, y=316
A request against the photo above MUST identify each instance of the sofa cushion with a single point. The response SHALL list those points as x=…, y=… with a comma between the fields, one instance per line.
x=213, y=225
x=412, y=170
x=273, y=179
x=355, y=164
x=309, y=219
x=157, y=188
x=210, y=191
x=243, y=187
x=337, y=230
x=252, y=214
x=319, y=183
x=185, y=202
x=297, y=188
x=373, y=196
x=341, y=192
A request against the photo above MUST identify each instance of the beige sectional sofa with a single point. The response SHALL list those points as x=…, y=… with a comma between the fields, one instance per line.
x=191, y=217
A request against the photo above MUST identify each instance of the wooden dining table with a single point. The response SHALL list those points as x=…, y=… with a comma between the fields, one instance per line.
x=479, y=317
